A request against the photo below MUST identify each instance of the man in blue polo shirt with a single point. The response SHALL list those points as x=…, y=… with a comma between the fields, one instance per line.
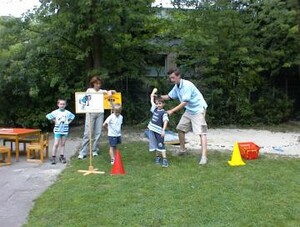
x=195, y=106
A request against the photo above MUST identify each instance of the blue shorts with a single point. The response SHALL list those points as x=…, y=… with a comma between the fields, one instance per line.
x=114, y=140
x=59, y=135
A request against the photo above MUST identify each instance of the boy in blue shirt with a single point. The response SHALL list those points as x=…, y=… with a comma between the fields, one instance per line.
x=61, y=119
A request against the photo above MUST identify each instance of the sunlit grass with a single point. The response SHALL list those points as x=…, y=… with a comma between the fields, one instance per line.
x=264, y=192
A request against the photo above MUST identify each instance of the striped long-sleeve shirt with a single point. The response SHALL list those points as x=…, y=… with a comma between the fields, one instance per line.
x=62, y=119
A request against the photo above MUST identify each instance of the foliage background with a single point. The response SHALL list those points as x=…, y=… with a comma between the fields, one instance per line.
x=243, y=55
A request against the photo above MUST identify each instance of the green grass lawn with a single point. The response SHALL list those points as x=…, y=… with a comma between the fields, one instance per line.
x=264, y=192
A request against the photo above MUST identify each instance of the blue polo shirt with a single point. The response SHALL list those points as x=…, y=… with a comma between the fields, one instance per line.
x=186, y=91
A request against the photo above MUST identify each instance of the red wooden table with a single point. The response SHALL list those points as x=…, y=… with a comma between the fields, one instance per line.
x=16, y=134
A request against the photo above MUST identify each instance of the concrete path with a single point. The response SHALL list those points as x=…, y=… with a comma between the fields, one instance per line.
x=22, y=182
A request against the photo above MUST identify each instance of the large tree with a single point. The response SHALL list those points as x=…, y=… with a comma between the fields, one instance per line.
x=243, y=55
x=70, y=40
x=236, y=48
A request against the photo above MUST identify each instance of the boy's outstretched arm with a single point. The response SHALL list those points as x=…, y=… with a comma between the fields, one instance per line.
x=152, y=95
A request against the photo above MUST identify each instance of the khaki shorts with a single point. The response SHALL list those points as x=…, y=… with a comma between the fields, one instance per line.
x=195, y=123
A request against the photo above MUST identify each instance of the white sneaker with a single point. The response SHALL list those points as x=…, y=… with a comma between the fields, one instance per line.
x=203, y=161
x=112, y=161
x=80, y=156
x=95, y=154
x=182, y=152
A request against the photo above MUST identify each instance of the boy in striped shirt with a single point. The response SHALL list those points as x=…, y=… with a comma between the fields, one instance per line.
x=157, y=127
x=61, y=119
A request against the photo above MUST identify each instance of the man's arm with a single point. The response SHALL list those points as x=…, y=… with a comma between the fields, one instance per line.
x=177, y=108
x=165, y=97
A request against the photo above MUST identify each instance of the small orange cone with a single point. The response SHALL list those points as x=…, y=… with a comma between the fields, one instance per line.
x=236, y=159
x=118, y=168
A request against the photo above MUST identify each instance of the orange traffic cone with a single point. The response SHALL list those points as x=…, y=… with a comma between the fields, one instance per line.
x=118, y=165
x=236, y=159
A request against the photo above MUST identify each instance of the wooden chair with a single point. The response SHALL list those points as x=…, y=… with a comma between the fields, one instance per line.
x=5, y=151
x=41, y=148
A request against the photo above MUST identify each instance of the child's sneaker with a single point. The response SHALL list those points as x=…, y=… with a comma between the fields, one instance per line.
x=95, y=154
x=62, y=159
x=157, y=160
x=53, y=160
x=203, y=161
x=112, y=161
x=165, y=163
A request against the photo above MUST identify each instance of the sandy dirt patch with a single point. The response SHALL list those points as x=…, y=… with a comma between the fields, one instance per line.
x=269, y=142
x=280, y=143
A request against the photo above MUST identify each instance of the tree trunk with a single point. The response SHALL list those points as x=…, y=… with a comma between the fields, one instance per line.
x=97, y=63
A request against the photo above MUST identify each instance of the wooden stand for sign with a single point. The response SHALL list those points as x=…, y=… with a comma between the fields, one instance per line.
x=91, y=169
x=97, y=103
